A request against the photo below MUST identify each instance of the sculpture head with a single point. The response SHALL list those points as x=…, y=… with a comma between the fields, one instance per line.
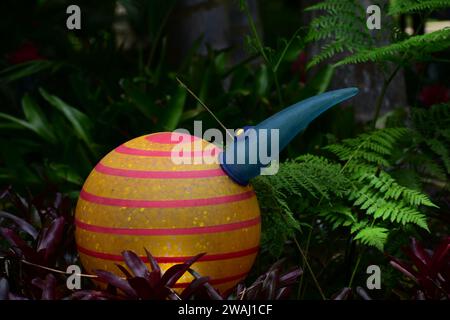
x=255, y=147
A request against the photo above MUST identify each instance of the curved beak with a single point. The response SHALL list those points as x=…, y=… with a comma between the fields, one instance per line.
x=254, y=148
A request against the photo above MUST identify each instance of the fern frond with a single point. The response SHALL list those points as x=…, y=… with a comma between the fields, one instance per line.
x=432, y=137
x=277, y=218
x=396, y=211
x=332, y=6
x=373, y=236
x=427, y=165
x=337, y=216
x=307, y=177
x=359, y=225
x=426, y=121
x=416, y=45
x=342, y=25
x=361, y=190
x=310, y=175
x=384, y=183
x=371, y=148
x=375, y=192
x=442, y=150
x=409, y=6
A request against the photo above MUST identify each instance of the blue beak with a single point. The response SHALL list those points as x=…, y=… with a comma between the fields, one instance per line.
x=255, y=147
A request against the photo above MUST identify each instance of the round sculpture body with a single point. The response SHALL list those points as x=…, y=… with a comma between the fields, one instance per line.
x=138, y=197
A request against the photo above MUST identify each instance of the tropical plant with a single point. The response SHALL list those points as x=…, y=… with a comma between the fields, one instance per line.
x=428, y=271
x=347, y=294
x=36, y=252
x=410, y=6
x=342, y=26
x=357, y=192
x=431, y=155
x=272, y=285
x=146, y=284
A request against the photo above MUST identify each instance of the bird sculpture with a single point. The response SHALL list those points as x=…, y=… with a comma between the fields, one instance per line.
x=136, y=197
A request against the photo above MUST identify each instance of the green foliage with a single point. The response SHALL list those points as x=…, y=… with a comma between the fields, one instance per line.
x=342, y=26
x=356, y=192
x=373, y=236
x=417, y=46
x=278, y=221
x=35, y=120
x=411, y=6
x=148, y=18
x=98, y=95
x=434, y=125
x=310, y=174
x=273, y=58
x=67, y=131
x=371, y=148
x=307, y=176
x=429, y=153
x=80, y=123
x=376, y=192
x=338, y=215
x=27, y=69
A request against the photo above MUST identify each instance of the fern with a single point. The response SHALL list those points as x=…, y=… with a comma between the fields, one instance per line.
x=342, y=25
x=417, y=45
x=373, y=236
x=410, y=6
x=375, y=192
x=307, y=177
x=279, y=223
x=432, y=128
x=311, y=174
x=439, y=148
x=392, y=190
x=338, y=216
x=359, y=226
x=427, y=166
x=356, y=192
x=370, y=148
x=430, y=154
x=399, y=212
x=433, y=122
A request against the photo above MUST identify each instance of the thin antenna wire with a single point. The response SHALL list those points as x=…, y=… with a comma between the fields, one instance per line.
x=58, y=271
x=204, y=106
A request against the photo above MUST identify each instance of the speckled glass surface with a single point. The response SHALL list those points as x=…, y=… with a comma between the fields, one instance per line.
x=133, y=200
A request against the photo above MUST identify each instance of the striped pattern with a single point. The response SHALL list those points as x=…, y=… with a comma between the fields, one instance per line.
x=166, y=153
x=169, y=232
x=163, y=153
x=137, y=197
x=136, y=203
x=179, y=259
x=173, y=138
x=141, y=174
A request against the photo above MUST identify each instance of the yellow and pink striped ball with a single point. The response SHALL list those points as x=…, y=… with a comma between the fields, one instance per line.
x=137, y=197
